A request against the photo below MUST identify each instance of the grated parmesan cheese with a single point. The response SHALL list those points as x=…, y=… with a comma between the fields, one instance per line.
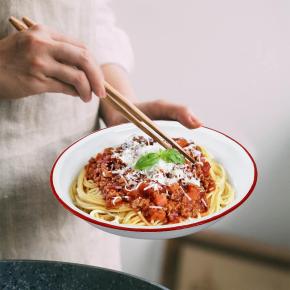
x=156, y=206
x=115, y=198
x=161, y=173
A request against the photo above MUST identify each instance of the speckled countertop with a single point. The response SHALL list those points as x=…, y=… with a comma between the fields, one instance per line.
x=58, y=275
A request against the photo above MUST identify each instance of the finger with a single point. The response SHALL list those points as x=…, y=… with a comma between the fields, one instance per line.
x=82, y=59
x=55, y=86
x=62, y=38
x=161, y=110
x=53, y=34
x=71, y=76
x=187, y=119
x=183, y=115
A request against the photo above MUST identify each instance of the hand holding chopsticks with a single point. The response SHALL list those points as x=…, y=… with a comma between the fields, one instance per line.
x=128, y=109
x=39, y=60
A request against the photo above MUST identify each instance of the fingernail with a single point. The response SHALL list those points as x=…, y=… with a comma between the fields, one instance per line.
x=102, y=93
x=195, y=122
x=87, y=99
x=199, y=124
x=192, y=120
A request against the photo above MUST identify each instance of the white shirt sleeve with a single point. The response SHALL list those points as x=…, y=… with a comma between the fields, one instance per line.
x=111, y=44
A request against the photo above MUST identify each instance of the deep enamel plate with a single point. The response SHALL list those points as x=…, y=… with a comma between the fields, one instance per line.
x=235, y=158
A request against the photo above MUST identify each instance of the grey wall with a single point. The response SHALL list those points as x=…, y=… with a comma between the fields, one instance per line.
x=229, y=62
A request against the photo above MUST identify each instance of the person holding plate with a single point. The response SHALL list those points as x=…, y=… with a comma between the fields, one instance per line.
x=49, y=79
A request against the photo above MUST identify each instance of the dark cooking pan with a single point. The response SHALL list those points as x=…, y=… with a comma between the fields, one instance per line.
x=26, y=274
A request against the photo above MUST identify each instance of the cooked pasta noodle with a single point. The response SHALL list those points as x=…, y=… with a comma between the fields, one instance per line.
x=223, y=194
x=88, y=196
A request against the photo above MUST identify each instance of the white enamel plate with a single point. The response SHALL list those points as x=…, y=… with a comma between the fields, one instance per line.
x=237, y=161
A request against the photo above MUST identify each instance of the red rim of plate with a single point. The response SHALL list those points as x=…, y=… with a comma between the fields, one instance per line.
x=173, y=228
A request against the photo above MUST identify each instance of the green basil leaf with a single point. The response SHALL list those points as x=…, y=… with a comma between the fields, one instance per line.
x=172, y=156
x=147, y=160
x=169, y=155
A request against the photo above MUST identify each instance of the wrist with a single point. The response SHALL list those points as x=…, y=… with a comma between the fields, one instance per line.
x=108, y=113
x=112, y=118
x=119, y=79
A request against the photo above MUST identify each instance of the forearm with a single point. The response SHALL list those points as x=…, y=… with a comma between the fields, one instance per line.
x=119, y=79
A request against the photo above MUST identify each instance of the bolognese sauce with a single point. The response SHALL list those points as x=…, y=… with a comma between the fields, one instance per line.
x=167, y=192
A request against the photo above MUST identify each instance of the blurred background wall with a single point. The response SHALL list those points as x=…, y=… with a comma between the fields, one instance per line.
x=229, y=62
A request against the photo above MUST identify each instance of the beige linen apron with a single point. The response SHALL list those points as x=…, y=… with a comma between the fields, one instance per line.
x=33, y=130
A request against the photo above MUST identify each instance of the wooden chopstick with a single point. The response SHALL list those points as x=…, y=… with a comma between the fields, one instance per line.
x=20, y=26
x=128, y=109
x=134, y=120
x=142, y=117
x=28, y=21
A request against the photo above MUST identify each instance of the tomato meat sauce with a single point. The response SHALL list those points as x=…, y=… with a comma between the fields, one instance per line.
x=170, y=201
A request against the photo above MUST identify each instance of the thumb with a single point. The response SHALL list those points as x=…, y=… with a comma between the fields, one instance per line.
x=186, y=118
x=162, y=110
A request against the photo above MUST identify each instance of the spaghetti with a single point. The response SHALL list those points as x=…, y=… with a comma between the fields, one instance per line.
x=166, y=191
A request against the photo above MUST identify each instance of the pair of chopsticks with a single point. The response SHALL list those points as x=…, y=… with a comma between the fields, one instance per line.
x=128, y=109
